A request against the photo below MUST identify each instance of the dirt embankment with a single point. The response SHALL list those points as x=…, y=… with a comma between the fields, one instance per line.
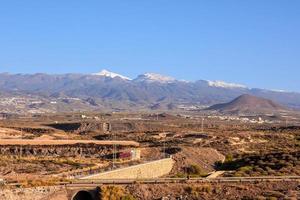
x=215, y=191
x=185, y=156
x=39, y=193
x=204, y=158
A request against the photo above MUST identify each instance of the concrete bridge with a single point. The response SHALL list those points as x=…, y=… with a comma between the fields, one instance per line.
x=84, y=194
x=81, y=189
x=149, y=170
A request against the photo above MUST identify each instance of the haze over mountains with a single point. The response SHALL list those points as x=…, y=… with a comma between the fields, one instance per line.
x=111, y=91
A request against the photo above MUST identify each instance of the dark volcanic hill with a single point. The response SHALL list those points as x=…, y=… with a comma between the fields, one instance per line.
x=248, y=104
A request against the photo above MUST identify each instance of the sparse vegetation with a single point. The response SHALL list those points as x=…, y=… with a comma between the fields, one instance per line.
x=196, y=191
x=42, y=165
x=114, y=193
x=251, y=149
x=195, y=171
x=269, y=164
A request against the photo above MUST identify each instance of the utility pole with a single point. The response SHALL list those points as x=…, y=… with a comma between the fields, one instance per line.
x=114, y=145
x=164, y=148
x=114, y=150
x=107, y=128
x=21, y=148
x=202, y=125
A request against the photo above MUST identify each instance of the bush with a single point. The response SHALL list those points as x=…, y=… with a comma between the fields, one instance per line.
x=229, y=158
x=114, y=193
x=195, y=190
x=246, y=169
x=262, y=164
x=195, y=171
x=179, y=175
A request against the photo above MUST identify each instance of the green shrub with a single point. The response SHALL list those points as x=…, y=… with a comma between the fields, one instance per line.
x=229, y=158
x=245, y=169
x=179, y=175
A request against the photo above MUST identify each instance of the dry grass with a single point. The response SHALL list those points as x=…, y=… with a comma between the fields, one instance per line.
x=114, y=193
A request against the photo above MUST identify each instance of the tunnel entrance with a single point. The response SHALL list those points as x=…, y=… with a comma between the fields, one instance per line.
x=83, y=195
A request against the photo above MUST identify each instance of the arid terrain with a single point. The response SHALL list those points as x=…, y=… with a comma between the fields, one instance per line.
x=48, y=151
x=150, y=100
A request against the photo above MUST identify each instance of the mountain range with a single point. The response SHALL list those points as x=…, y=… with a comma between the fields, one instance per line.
x=111, y=91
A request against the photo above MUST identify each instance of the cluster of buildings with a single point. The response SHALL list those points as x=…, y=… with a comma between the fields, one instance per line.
x=190, y=107
x=257, y=120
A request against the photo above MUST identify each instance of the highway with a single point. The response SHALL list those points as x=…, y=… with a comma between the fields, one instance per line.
x=94, y=183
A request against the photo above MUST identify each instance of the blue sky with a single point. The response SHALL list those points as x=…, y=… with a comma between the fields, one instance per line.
x=253, y=42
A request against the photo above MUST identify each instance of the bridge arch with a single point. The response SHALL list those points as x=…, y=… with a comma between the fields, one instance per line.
x=83, y=195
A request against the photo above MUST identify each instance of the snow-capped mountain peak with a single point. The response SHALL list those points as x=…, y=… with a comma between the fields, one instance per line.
x=153, y=77
x=281, y=91
x=223, y=84
x=109, y=74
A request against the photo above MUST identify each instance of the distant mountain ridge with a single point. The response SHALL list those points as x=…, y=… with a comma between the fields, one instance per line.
x=108, y=90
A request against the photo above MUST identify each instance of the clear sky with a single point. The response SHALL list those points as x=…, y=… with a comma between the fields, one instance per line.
x=253, y=42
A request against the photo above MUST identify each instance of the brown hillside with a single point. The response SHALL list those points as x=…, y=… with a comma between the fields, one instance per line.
x=247, y=104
